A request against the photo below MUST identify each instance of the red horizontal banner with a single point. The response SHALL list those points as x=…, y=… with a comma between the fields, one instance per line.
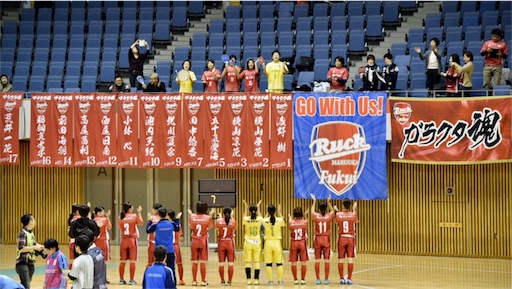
x=462, y=130
x=168, y=130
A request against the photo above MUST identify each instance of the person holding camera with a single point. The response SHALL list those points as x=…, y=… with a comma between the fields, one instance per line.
x=136, y=61
x=27, y=250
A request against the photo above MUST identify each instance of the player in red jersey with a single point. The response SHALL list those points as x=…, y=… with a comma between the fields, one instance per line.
x=250, y=76
x=72, y=217
x=200, y=222
x=151, y=236
x=346, y=220
x=298, y=246
x=178, y=237
x=226, y=227
x=322, y=244
x=231, y=72
x=128, y=222
x=102, y=219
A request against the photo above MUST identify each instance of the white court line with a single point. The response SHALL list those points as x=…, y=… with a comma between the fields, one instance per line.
x=439, y=267
x=378, y=268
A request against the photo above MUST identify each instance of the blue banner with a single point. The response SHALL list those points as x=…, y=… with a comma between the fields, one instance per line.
x=340, y=145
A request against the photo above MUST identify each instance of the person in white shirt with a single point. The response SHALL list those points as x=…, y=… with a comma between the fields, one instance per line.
x=82, y=272
x=433, y=63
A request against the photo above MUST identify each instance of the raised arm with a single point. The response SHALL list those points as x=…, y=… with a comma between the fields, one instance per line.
x=314, y=203
x=258, y=213
x=329, y=204
x=246, y=208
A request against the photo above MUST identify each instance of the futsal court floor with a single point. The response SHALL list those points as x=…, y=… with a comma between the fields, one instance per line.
x=371, y=271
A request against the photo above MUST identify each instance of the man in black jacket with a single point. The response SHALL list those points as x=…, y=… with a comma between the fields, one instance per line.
x=83, y=224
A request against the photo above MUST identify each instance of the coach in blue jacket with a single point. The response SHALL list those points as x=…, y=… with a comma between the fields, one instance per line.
x=159, y=276
x=164, y=235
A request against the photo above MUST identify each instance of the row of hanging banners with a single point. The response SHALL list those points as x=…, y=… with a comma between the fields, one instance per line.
x=336, y=145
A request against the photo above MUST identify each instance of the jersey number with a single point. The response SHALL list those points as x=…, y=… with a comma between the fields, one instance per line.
x=322, y=227
x=198, y=228
x=253, y=231
x=346, y=227
x=225, y=230
x=126, y=229
x=298, y=234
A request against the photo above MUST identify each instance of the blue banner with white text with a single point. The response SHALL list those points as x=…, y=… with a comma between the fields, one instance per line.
x=340, y=145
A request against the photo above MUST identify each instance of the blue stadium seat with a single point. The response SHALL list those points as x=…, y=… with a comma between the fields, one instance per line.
x=216, y=26
x=356, y=42
x=451, y=20
x=398, y=49
x=284, y=24
x=470, y=19
x=288, y=82
x=339, y=37
x=233, y=12
x=27, y=28
x=372, y=8
x=250, y=26
x=490, y=18
x=107, y=71
x=401, y=85
x=435, y=32
x=268, y=39
x=320, y=70
x=449, y=7
x=96, y=29
x=415, y=35
x=196, y=8
x=263, y=85
x=303, y=24
x=453, y=34
x=321, y=38
x=419, y=92
x=233, y=40
x=162, y=30
x=391, y=13
x=418, y=81
x=28, y=14
x=468, y=6
x=355, y=8
x=338, y=9
x=404, y=60
x=300, y=10
x=456, y=47
x=266, y=11
x=36, y=85
x=199, y=40
x=321, y=23
x=179, y=17
x=432, y=20
x=10, y=27
x=502, y=90
x=251, y=39
x=285, y=38
x=356, y=22
x=338, y=50
x=285, y=8
x=320, y=10
x=233, y=26
x=286, y=50
x=216, y=40
x=266, y=51
x=267, y=25
x=320, y=51
x=181, y=53
x=474, y=33
x=338, y=23
x=249, y=12
x=374, y=29
x=303, y=38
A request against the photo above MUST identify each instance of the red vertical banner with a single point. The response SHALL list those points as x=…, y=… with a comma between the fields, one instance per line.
x=106, y=142
x=256, y=145
x=172, y=157
x=236, y=132
x=281, y=143
x=62, y=120
x=9, y=125
x=85, y=124
x=216, y=131
x=194, y=117
x=41, y=132
x=152, y=119
x=128, y=132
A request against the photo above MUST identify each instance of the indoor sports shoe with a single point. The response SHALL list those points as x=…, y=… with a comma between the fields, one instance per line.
x=249, y=282
x=296, y=282
x=132, y=282
x=204, y=283
x=342, y=281
x=318, y=282
x=349, y=282
x=270, y=283
x=222, y=283
x=302, y=282
x=122, y=282
x=256, y=282
x=280, y=283
x=326, y=282
x=181, y=282
x=194, y=283
x=229, y=283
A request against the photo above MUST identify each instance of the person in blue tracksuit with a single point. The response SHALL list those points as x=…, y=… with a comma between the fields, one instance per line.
x=159, y=276
x=164, y=235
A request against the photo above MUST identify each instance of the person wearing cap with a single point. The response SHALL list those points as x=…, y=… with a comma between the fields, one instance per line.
x=493, y=51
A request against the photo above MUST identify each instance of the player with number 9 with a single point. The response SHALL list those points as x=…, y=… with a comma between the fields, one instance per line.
x=226, y=228
x=199, y=223
x=346, y=220
x=322, y=243
x=128, y=222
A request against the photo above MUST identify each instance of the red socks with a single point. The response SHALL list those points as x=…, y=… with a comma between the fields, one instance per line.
x=132, y=270
x=340, y=270
x=180, y=270
x=221, y=273
x=303, y=272
x=294, y=272
x=194, y=271
x=231, y=270
x=121, y=270
x=327, y=267
x=203, y=272
x=350, y=270
x=317, y=270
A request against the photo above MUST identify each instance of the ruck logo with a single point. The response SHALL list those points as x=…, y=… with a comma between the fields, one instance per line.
x=338, y=154
x=402, y=112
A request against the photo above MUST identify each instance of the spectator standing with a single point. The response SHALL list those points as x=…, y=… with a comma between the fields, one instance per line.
x=275, y=72
x=433, y=62
x=26, y=250
x=338, y=75
x=250, y=76
x=452, y=77
x=119, y=85
x=159, y=276
x=389, y=74
x=56, y=266
x=5, y=85
x=154, y=85
x=371, y=75
x=231, y=72
x=493, y=51
x=211, y=77
x=83, y=224
x=136, y=61
x=466, y=72
x=186, y=85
